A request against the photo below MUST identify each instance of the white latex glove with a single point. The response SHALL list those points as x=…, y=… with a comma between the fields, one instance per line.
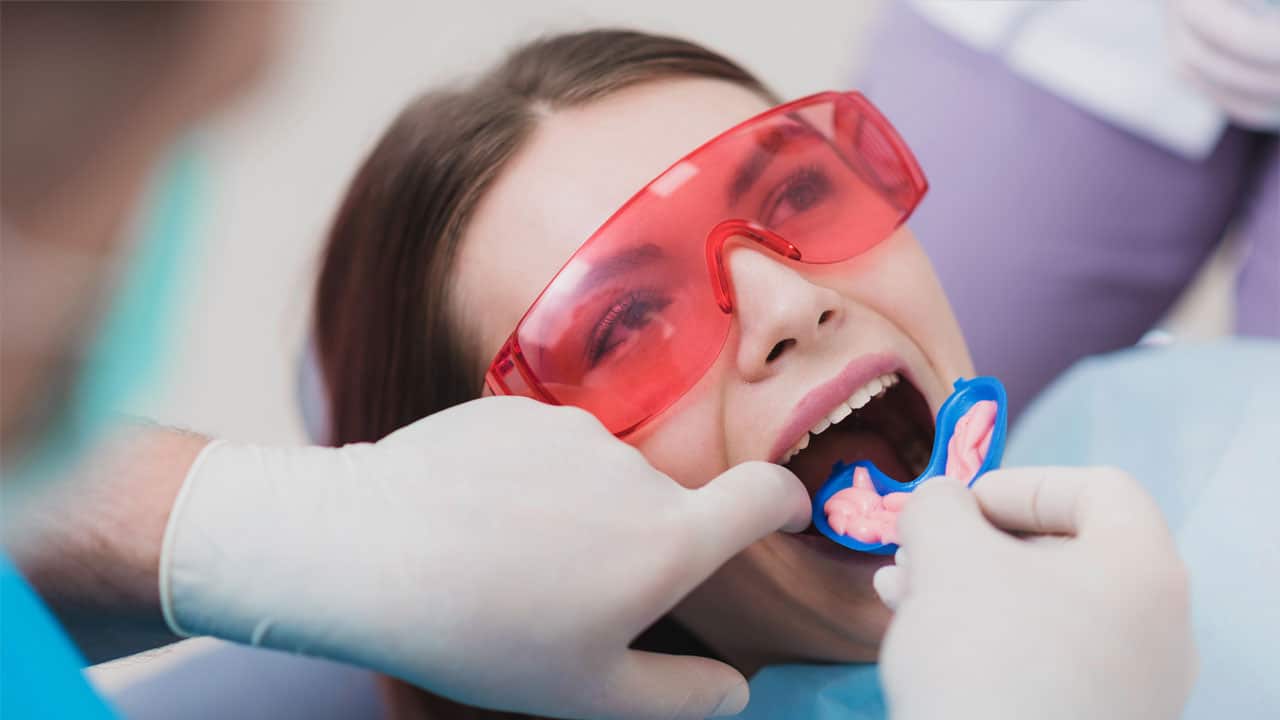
x=502, y=553
x=1093, y=623
x=1231, y=50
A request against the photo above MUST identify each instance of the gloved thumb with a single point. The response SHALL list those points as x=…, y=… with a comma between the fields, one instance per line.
x=742, y=505
x=1101, y=502
x=655, y=685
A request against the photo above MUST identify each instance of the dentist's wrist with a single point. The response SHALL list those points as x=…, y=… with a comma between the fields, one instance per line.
x=91, y=547
x=255, y=541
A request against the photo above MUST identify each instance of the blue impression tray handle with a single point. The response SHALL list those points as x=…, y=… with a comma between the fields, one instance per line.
x=967, y=393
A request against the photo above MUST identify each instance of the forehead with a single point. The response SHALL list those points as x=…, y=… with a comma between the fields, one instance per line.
x=575, y=170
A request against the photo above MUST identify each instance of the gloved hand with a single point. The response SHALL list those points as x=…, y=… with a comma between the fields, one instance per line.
x=1090, y=622
x=502, y=553
x=1231, y=50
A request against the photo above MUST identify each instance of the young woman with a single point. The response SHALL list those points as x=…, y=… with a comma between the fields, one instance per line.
x=704, y=343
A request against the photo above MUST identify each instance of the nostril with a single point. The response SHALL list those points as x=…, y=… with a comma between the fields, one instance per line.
x=778, y=349
x=825, y=316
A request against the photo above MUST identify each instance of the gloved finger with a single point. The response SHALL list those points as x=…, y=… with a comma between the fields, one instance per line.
x=737, y=508
x=890, y=583
x=941, y=524
x=654, y=685
x=1224, y=74
x=715, y=522
x=1245, y=111
x=1066, y=501
x=1234, y=28
x=751, y=500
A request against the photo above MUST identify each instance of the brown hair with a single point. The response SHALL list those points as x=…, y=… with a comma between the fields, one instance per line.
x=388, y=349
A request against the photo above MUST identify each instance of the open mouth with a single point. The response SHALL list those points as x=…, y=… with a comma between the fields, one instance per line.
x=886, y=421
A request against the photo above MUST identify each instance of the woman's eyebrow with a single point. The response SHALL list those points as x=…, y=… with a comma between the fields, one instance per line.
x=630, y=259
x=765, y=150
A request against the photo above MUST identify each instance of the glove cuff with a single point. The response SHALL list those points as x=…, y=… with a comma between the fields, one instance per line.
x=253, y=535
x=167, y=546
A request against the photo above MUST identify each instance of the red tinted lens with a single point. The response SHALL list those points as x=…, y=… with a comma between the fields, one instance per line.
x=632, y=321
x=628, y=325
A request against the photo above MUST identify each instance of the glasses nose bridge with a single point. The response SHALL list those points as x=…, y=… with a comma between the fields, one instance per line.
x=716, y=242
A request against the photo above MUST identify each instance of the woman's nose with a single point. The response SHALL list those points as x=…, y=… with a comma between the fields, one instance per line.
x=779, y=311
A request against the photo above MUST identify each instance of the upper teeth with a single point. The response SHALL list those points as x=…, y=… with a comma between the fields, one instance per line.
x=842, y=410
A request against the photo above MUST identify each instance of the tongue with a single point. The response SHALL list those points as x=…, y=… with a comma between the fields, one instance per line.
x=813, y=465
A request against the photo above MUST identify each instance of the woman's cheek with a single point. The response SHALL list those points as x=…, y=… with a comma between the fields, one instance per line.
x=902, y=286
x=687, y=441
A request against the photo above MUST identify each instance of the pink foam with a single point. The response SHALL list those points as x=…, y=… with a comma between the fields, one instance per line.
x=860, y=513
x=970, y=441
x=863, y=514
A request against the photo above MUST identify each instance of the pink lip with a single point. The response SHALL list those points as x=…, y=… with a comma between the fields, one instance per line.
x=818, y=403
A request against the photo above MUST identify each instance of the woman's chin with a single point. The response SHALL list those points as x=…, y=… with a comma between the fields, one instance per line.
x=839, y=616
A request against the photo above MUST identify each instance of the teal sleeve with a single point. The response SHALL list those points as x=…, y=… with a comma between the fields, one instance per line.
x=41, y=672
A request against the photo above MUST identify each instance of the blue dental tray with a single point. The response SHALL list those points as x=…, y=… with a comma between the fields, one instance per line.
x=967, y=393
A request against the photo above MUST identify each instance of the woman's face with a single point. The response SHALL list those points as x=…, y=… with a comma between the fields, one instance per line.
x=804, y=338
